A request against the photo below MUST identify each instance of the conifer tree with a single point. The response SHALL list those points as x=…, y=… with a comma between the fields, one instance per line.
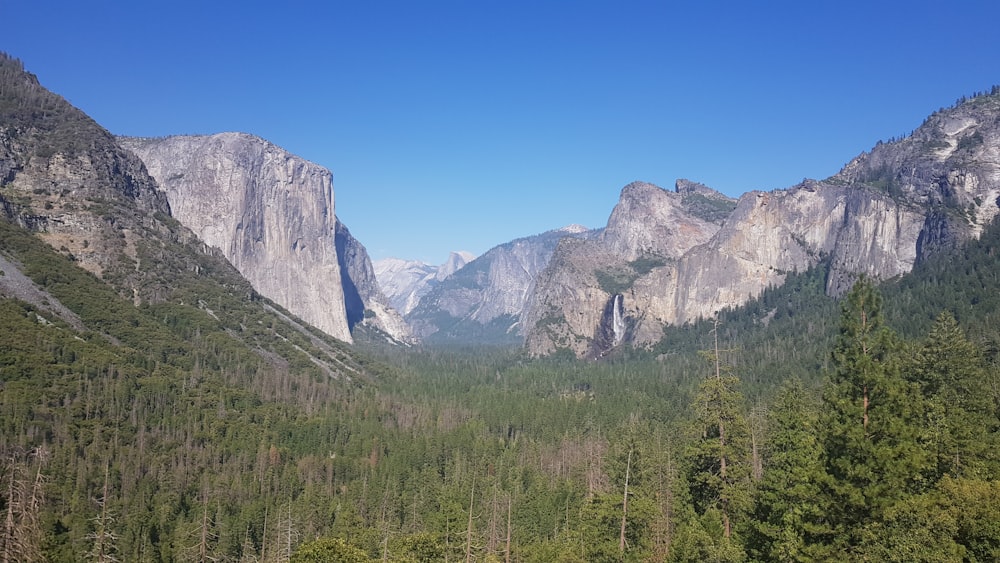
x=950, y=371
x=873, y=434
x=720, y=470
x=789, y=509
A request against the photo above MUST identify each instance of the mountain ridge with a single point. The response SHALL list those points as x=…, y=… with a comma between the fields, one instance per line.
x=886, y=210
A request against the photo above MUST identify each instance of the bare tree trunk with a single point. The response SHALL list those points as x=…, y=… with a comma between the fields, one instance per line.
x=507, y=548
x=468, y=530
x=203, y=537
x=263, y=535
x=628, y=469
x=288, y=533
x=9, y=533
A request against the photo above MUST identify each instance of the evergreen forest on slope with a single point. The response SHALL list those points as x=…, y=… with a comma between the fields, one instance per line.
x=861, y=430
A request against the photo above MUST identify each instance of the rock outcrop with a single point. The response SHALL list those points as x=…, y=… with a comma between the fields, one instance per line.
x=670, y=263
x=483, y=300
x=649, y=230
x=269, y=212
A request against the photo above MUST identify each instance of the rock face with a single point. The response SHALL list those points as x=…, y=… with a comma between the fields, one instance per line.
x=404, y=282
x=363, y=298
x=268, y=211
x=621, y=271
x=672, y=260
x=483, y=300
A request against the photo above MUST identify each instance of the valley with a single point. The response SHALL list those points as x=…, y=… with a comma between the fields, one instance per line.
x=199, y=362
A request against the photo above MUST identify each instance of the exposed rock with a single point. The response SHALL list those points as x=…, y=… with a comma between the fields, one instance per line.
x=404, y=282
x=268, y=211
x=650, y=221
x=882, y=213
x=483, y=301
x=611, y=330
x=455, y=262
x=64, y=176
x=363, y=298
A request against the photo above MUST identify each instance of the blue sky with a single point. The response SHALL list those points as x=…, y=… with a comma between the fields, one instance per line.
x=455, y=125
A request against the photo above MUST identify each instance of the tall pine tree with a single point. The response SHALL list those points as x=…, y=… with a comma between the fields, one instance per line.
x=873, y=431
x=790, y=513
x=719, y=465
x=951, y=372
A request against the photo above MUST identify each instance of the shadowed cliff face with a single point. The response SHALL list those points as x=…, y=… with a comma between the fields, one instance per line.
x=885, y=211
x=364, y=300
x=268, y=211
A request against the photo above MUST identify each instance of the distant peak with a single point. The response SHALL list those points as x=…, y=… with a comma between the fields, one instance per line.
x=573, y=229
x=455, y=261
x=461, y=255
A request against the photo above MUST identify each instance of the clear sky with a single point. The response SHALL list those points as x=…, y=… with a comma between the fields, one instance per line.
x=460, y=125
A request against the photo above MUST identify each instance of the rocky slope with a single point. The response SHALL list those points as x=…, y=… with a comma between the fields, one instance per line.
x=269, y=212
x=64, y=177
x=592, y=286
x=661, y=262
x=483, y=300
x=404, y=282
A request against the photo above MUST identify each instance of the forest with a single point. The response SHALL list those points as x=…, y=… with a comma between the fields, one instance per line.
x=795, y=428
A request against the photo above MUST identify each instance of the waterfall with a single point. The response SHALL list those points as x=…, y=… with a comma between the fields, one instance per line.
x=617, y=320
x=610, y=332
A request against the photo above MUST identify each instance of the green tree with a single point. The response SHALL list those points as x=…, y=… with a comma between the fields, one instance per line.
x=329, y=550
x=789, y=512
x=719, y=465
x=960, y=412
x=873, y=435
x=615, y=524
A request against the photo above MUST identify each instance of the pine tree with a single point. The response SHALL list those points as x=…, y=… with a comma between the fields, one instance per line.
x=720, y=469
x=951, y=373
x=873, y=430
x=789, y=518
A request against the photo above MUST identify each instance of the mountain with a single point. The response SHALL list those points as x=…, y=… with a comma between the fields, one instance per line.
x=406, y=281
x=65, y=181
x=269, y=212
x=483, y=300
x=138, y=367
x=661, y=261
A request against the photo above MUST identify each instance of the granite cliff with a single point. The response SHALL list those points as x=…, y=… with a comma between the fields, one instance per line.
x=268, y=211
x=404, y=282
x=483, y=300
x=365, y=303
x=65, y=178
x=661, y=261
